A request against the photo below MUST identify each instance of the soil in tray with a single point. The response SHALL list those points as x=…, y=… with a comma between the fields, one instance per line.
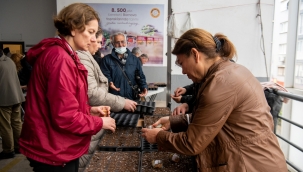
x=185, y=163
x=162, y=111
x=123, y=136
x=114, y=161
x=150, y=120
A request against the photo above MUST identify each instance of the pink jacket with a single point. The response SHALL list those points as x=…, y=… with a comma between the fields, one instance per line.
x=57, y=126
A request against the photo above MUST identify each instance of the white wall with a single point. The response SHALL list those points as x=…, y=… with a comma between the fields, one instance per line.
x=237, y=20
x=27, y=21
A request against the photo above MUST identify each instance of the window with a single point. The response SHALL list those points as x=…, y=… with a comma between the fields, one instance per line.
x=281, y=71
x=283, y=27
x=300, y=47
x=282, y=49
x=300, y=24
x=299, y=75
x=282, y=58
x=15, y=47
x=284, y=6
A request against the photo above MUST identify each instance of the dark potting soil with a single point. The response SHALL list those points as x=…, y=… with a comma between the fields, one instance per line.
x=114, y=161
x=162, y=111
x=185, y=163
x=123, y=136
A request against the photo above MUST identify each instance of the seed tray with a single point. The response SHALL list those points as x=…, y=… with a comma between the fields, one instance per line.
x=186, y=163
x=123, y=139
x=126, y=119
x=115, y=161
x=152, y=87
x=162, y=111
x=145, y=146
x=160, y=84
x=146, y=108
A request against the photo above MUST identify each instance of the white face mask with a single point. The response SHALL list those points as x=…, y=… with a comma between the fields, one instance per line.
x=120, y=50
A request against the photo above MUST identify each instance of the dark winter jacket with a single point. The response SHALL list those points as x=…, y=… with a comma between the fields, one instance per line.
x=25, y=73
x=190, y=96
x=114, y=74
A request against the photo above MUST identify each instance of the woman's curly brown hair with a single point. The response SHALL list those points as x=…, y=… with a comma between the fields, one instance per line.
x=74, y=16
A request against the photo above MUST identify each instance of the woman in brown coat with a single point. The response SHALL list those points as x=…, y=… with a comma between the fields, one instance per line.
x=231, y=128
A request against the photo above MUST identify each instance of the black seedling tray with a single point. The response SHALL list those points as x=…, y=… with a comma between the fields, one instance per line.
x=123, y=139
x=152, y=87
x=146, y=108
x=126, y=119
x=160, y=84
x=108, y=161
x=145, y=146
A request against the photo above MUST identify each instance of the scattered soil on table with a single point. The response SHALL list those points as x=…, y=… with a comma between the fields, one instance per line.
x=184, y=165
x=114, y=161
x=123, y=136
x=162, y=111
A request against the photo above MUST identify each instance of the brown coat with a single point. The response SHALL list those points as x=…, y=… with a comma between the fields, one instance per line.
x=231, y=127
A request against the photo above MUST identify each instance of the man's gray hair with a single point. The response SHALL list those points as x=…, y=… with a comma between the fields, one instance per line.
x=136, y=50
x=116, y=34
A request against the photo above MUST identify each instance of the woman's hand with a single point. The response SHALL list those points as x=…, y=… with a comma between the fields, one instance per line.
x=144, y=92
x=130, y=105
x=109, y=123
x=102, y=111
x=112, y=86
x=179, y=91
x=164, y=121
x=177, y=99
x=150, y=134
x=181, y=109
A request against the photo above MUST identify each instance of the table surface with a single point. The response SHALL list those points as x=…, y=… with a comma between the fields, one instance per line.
x=153, y=92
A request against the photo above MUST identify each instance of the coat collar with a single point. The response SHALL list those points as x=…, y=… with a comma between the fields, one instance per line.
x=3, y=58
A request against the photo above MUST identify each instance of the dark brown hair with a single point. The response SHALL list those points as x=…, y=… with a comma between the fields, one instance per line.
x=204, y=42
x=99, y=32
x=74, y=16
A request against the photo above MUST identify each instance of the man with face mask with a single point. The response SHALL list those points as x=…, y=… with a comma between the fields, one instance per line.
x=123, y=69
x=97, y=82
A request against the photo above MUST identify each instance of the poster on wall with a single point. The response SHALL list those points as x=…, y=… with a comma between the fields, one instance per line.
x=143, y=25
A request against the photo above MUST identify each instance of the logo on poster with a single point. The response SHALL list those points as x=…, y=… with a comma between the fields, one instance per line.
x=155, y=12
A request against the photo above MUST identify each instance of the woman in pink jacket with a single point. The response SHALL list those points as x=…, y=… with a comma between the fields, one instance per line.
x=58, y=122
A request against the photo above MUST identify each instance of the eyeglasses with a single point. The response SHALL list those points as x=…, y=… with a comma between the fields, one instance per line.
x=177, y=63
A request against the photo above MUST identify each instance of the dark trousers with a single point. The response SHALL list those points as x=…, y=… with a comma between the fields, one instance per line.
x=71, y=166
